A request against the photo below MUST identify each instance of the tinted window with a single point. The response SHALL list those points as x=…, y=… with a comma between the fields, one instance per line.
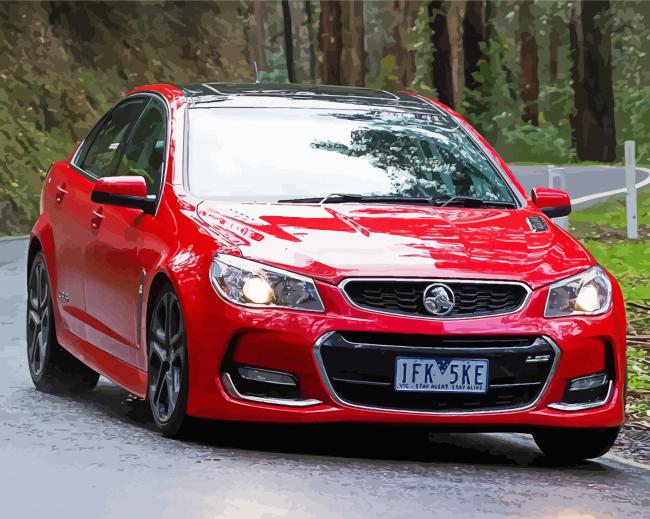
x=99, y=159
x=144, y=152
x=269, y=154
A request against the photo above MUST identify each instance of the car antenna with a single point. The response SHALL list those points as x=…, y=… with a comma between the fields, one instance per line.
x=257, y=72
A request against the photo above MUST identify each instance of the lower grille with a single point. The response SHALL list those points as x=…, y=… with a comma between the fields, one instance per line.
x=360, y=369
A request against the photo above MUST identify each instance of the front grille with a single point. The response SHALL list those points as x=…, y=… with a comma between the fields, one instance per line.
x=472, y=298
x=360, y=369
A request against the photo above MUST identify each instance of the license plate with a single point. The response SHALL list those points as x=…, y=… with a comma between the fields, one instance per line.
x=441, y=375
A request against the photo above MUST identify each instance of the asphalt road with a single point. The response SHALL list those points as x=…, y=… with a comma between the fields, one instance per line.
x=581, y=181
x=99, y=455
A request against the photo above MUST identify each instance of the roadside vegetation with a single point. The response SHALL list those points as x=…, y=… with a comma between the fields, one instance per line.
x=602, y=228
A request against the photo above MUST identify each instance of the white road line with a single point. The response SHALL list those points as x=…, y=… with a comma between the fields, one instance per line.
x=605, y=194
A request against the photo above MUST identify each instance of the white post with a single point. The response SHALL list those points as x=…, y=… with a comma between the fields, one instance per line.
x=557, y=180
x=630, y=183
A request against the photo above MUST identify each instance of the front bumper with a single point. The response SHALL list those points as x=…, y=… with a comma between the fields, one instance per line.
x=290, y=342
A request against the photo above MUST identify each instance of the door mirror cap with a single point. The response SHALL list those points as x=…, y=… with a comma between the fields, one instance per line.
x=554, y=203
x=127, y=191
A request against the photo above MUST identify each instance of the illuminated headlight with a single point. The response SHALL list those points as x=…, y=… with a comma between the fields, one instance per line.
x=588, y=293
x=249, y=283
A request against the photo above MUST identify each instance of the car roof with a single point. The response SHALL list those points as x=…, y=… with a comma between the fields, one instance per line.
x=268, y=94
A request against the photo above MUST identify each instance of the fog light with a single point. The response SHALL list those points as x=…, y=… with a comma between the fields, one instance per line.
x=267, y=376
x=588, y=382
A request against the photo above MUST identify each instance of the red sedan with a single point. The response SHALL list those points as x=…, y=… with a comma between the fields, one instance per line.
x=319, y=254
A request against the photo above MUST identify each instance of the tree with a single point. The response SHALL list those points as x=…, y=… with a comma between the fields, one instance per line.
x=310, y=38
x=441, y=65
x=331, y=42
x=288, y=40
x=592, y=122
x=406, y=13
x=553, y=46
x=354, y=52
x=258, y=32
x=528, y=60
x=474, y=34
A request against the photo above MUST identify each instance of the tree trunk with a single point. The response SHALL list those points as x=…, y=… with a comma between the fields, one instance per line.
x=330, y=41
x=354, y=52
x=592, y=122
x=528, y=60
x=260, y=37
x=288, y=41
x=441, y=66
x=407, y=11
x=553, y=46
x=474, y=33
x=310, y=37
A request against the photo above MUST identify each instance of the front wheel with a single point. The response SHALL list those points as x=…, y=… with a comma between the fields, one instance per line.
x=573, y=445
x=168, y=364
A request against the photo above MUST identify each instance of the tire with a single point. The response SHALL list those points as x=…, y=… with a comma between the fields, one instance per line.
x=52, y=368
x=574, y=445
x=168, y=368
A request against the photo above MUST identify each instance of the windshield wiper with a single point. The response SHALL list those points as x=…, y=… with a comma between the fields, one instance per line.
x=457, y=201
x=341, y=198
x=469, y=201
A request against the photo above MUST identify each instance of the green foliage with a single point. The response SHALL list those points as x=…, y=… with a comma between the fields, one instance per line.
x=525, y=142
x=628, y=261
x=386, y=78
x=492, y=107
x=62, y=65
x=638, y=366
x=277, y=68
x=611, y=214
x=633, y=117
x=419, y=41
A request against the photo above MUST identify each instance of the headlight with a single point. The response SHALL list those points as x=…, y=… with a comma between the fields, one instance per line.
x=248, y=283
x=588, y=293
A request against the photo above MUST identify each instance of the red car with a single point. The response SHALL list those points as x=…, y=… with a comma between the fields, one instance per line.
x=319, y=254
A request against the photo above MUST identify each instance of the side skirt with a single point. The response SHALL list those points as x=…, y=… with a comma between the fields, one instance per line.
x=128, y=377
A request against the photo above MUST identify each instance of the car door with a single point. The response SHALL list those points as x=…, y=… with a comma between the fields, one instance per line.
x=67, y=191
x=115, y=272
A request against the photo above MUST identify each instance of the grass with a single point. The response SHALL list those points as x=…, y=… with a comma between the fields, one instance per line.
x=602, y=228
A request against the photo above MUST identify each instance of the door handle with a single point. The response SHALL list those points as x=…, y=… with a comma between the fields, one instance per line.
x=60, y=193
x=97, y=218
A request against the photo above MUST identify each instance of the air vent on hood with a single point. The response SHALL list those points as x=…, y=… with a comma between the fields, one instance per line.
x=537, y=224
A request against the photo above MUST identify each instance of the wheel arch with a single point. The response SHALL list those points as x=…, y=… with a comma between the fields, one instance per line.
x=34, y=248
x=159, y=280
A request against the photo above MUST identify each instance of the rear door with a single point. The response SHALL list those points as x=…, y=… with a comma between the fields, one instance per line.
x=68, y=192
x=112, y=255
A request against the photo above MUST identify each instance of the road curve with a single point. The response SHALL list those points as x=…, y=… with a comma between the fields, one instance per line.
x=583, y=182
x=98, y=455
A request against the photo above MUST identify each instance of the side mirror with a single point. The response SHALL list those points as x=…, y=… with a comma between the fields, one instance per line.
x=124, y=192
x=554, y=203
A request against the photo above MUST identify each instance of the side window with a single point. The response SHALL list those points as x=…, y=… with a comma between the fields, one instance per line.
x=99, y=159
x=144, y=152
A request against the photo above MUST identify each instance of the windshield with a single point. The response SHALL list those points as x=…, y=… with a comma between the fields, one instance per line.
x=271, y=154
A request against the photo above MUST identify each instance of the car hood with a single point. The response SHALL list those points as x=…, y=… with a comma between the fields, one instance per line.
x=335, y=241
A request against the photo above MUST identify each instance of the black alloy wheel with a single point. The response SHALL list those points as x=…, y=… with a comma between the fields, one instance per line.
x=168, y=365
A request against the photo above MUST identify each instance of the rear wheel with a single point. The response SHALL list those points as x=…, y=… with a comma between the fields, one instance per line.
x=168, y=365
x=572, y=445
x=51, y=367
